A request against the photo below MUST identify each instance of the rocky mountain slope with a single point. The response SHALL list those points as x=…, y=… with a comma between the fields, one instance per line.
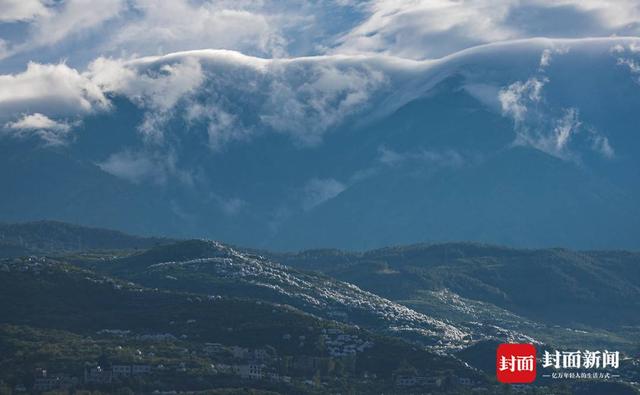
x=551, y=294
x=216, y=269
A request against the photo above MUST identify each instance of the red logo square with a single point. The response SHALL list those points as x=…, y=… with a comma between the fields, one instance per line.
x=516, y=363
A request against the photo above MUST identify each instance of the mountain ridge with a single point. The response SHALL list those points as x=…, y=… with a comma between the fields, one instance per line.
x=511, y=143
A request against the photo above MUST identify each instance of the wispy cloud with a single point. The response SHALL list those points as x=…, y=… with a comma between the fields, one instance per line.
x=169, y=26
x=417, y=29
x=306, y=109
x=540, y=125
x=423, y=29
x=443, y=158
x=21, y=10
x=300, y=98
x=126, y=28
x=157, y=89
x=156, y=167
x=50, y=23
x=50, y=131
x=132, y=167
x=627, y=57
x=517, y=97
x=548, y=54
x=319, y=190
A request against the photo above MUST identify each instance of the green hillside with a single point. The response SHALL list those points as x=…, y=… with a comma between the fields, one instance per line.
x=59, y=316
x=52, y=237
x=558, y=295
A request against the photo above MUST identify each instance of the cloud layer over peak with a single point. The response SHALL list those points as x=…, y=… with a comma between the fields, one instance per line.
x=82, y=30
x=235, y=97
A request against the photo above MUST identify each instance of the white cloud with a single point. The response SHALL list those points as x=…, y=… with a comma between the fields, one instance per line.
x=52, y=90
x=236, y=96
x=626, y=58
x=4, y=49
x=156, y=89
x=146, y=166
x=131, y=166
x=421, y=29
x=427, y=29
x=517, y=97
x=611, y=14
x=548, y=54
x=21, y=10
x=545, y=58
x=533, y=126
x=600, y=144
x=126, y=28
x=73, y=17
x=544, y=128
x=306, y=109
x=169, y=26
x=229, y=97
x=444, y=158
x=231, y=206
x=319, y=190
x=50, y=131
x=159, y=86
x=224, y=127
x=567, y=126
x=390, y=157
x=416, y=29
x=554, y=141
x=53, y=22
x=37, y=121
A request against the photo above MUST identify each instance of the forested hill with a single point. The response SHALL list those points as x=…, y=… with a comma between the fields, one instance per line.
x=52, y=237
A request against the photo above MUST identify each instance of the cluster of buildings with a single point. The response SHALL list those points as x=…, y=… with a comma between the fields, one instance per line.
x=265, y=364
x=340, y=344
x=26, y=264
x=249, y=364
x=415, y=380
x=240, y=353
x=46, y=382
x=251, y=371
x=93, y=374
x=97, y=374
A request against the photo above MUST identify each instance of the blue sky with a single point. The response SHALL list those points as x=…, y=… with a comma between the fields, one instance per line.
x=78, y=31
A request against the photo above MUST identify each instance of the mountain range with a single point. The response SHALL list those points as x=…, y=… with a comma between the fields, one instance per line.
x=427, y=310
x=525, y=143
x=444, y=296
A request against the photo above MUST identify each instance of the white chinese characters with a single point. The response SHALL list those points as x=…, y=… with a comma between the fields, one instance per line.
x=517, y=363
x=581, y=359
